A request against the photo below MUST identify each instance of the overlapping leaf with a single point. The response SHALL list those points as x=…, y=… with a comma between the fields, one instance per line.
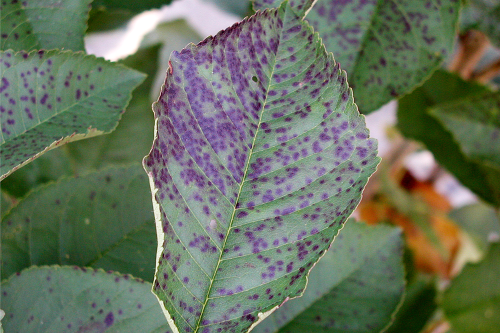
x=356, y=287
x=472, y=301
x=50, y=98
x=485, y=16
x=260, y=156
x=474, y=123
x=43, y=24
x=103, y=220
x=415, y=121
x=72, y=299
x=386, y=47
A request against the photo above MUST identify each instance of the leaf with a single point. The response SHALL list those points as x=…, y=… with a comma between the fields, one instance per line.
x=73, y=299
x=300, y=7
x=43, y=24
x=387, y=48
x=474, y=123
x=415, y=122
x=103, y=220
x=483, y=15
x=47, y=168
x=132, y=138
x=472, y=301
x=480, y=222
x=55, y=97
x=260, y=155
x=133, y=6
x=240, y=8
x=418, y=307
x=355, y=287
x=102, y=19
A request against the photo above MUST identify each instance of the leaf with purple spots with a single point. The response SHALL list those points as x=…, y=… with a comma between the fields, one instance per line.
x=356, y=287
x=260, y=155
x=27, y=25
x=103, y=220
x=73, y=299
x=387, y=48
x=50, y=98
x=301, y=7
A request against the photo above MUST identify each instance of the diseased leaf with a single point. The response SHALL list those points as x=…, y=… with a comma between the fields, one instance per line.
x=480, y=222
x=415, y=122
x=103, y=220
x=355, y=287
x=73, y=299
x=55, y=97
x=132, y=138
x=300, y=7
x=474, y=123
x=43, y=24
x=472, y=301
x=483, y=15
x=387, y=48
x=260, y=155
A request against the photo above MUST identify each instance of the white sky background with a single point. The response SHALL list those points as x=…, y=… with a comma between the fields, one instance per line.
x=207, y=19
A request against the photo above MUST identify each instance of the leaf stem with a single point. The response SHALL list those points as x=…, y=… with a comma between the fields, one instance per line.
x=472, y=46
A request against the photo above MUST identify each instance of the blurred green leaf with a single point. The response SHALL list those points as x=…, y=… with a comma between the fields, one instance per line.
x=481, y=223
x=240, y=7
x=6, y=203
x=387, y=48
x=472, y=301
x=49, y=167
x=132, y=138
x=483, y=15
x=43, y=24
x=103, y=19
x=355, y=287
x=104, y=220
x=418, y=306
x=133, y=6
x=417, y=123
x=474, y=122
x=72, y=299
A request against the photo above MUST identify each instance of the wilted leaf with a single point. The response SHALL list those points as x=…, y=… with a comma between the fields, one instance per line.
x=73, y=299
x=131, y=139
x=480, y=222
x=483, y=15
x=472, y=302
x=355, y=287
x=387, y=48
x=474, y=123
x=260, y=156
x=103, y=220
x=415, y=122
x=43, y=24
x=55, y=97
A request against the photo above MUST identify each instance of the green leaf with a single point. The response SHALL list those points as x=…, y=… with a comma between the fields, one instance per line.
x=472, y=301
x=6, y=203
x=387, y=48
x=43, y=24
x=260, y=155
x=418, y=306
x=133, y=6
x=474, y=123
x=355, y=287
x=73, y=299
x=132, y=138
x=102, y=19
x=103, y=220
x=483, y=15
x=480, y=222
x=300, y=7
x=415, y=122
x=240, y=8
x=55, y=97
x=49, y=167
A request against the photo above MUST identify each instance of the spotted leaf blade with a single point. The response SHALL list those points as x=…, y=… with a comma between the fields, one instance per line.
x=387, y=48
x=43, y=24
x=50, y=98
x=356, y=287
x=71, y=299
x=259, y=157
x=301, y=7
